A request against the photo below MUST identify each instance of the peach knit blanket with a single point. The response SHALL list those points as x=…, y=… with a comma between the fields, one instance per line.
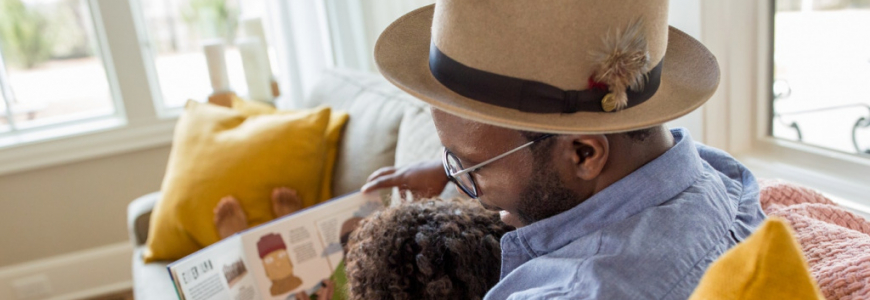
x=835, y=242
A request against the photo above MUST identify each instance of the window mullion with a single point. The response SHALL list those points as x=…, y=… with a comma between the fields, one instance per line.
x=127, y=56
x=6, y=93
x=103, y=53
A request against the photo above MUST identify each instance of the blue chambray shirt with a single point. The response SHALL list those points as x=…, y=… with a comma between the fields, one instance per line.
x=650, y=235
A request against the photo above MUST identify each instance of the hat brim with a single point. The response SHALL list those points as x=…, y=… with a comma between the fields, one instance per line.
x=690, y=76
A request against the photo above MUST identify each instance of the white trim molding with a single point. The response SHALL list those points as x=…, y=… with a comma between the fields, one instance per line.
x=84, y=274
x=81, y=142
x=840, y=187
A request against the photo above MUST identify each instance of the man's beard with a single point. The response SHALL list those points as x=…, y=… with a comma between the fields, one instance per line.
x=545, y=196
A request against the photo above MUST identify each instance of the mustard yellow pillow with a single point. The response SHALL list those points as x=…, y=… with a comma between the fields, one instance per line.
x=333, y=134
x=217, y=152
x=767, y=265
x=252, y=108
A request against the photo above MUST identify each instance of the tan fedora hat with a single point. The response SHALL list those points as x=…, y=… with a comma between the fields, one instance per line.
x=557, y=66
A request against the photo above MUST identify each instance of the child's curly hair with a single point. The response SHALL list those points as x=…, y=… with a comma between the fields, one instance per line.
x=432, y=249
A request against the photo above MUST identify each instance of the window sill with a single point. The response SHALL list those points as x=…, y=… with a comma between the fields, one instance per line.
x=841, y=177
x=167, y=113
x=87, y=140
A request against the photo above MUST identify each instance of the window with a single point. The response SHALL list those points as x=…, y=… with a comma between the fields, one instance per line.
x=81, y=79
x=51, y=72
x=176, y=33
x=821, y=71
x=771, y=80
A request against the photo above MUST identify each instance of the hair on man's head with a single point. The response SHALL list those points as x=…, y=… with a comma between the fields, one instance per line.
x=431, y=249
x=639, y=135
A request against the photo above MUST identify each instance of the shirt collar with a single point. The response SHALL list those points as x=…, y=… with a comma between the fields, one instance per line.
x=656, y=182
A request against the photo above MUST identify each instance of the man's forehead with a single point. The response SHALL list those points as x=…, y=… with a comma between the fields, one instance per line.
x=458, y=133
x=449, y=124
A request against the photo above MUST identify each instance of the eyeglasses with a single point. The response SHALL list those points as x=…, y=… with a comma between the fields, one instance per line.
x=462, y=177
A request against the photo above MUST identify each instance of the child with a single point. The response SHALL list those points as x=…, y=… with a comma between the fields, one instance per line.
x=430, y=249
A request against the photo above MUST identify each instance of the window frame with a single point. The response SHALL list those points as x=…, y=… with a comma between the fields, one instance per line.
x=282, y=43
x=135, y=125
x=737, y=118
x=142, y=121
x=149, y=59
x=32, y=132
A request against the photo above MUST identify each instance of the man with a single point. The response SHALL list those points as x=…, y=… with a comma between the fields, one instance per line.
x=551, y=113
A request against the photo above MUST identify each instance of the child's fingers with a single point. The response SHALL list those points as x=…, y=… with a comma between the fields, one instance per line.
x=386, y=181
x=381, y=172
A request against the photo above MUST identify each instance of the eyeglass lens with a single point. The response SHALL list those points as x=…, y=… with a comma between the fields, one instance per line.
x=465, y=182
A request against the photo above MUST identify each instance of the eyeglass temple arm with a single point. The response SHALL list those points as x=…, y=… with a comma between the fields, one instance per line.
x=478, y=166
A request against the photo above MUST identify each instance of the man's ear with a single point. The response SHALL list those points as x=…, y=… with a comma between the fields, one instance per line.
x=589, y=155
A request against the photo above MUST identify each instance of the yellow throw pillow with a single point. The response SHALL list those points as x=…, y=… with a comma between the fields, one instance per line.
x=217, y=152
x=252, y=108
x=767, y=265
x=333, y=134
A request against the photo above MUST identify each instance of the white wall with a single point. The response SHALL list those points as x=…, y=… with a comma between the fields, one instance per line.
x=686, y=16
x=79, y=206
x=378, y=14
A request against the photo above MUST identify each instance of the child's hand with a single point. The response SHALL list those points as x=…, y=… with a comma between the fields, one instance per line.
x=425, y=179
x=326, y=291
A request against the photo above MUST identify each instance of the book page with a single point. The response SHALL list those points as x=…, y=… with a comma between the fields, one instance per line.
x=218, y=272
x=298, y=256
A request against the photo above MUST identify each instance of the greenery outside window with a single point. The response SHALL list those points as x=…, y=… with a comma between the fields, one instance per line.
x=52, y=72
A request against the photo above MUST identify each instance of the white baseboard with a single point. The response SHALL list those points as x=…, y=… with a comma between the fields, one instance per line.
x=77, y=275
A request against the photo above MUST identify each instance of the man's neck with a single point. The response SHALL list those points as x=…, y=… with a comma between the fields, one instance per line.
x=628, y=155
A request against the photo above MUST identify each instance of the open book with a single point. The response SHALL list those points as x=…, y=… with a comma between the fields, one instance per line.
x=298, y=256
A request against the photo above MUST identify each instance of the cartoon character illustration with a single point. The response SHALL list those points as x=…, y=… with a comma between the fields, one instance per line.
x=276, y=262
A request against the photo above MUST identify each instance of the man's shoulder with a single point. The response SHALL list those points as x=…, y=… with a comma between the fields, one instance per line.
x=645, y=269
x=659, y=253
x=596, y=277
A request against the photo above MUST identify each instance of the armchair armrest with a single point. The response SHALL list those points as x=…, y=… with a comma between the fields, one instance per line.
x=138, y=217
